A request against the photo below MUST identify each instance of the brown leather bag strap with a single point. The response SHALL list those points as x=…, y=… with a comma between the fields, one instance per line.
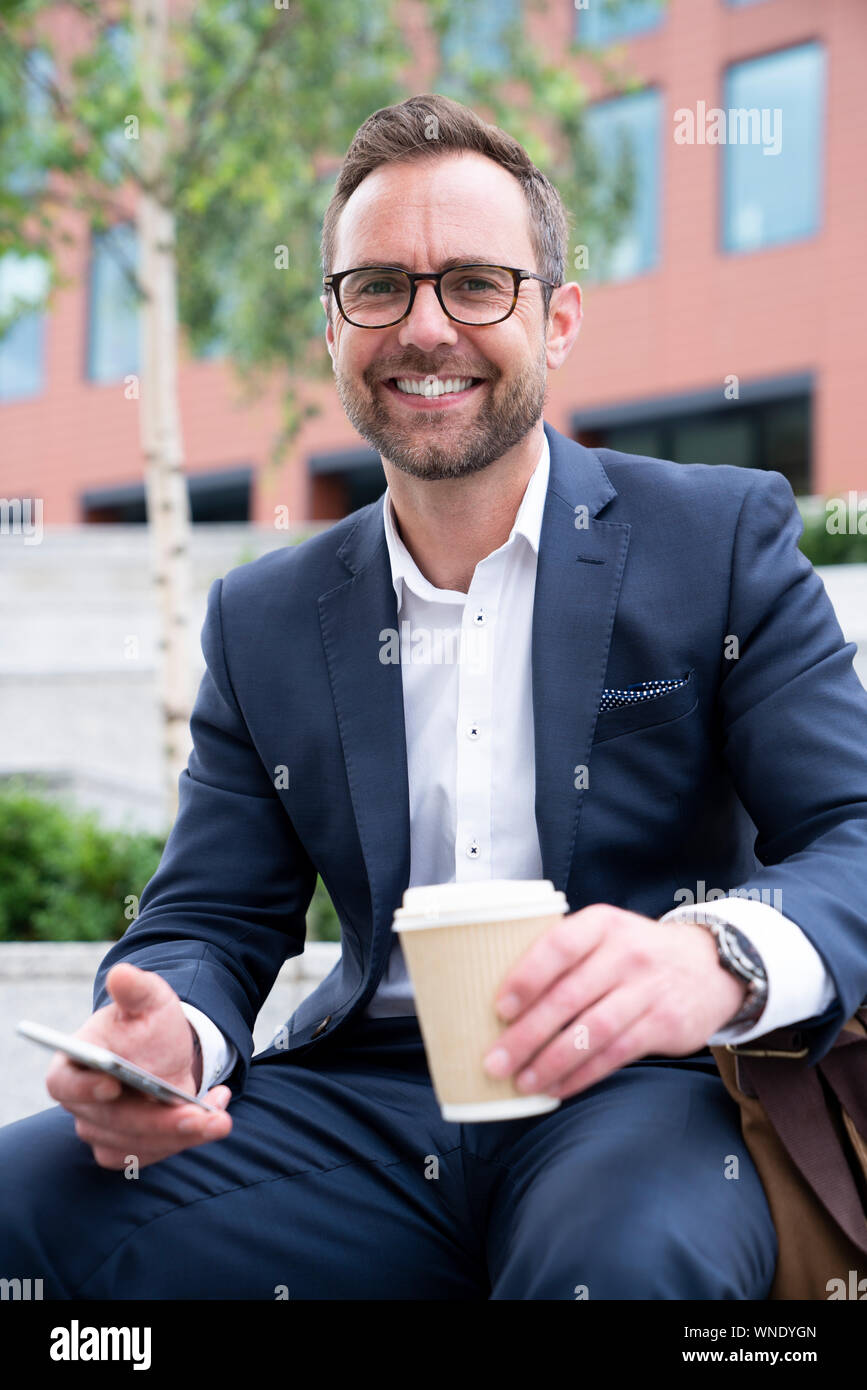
x=791, y=1094
x=845, y=1066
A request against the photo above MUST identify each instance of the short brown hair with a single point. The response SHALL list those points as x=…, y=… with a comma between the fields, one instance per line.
x=424, y=127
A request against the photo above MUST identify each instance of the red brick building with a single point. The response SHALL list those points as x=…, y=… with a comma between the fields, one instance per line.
x=727, y=325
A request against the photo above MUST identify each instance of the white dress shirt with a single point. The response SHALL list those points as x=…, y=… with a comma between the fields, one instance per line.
x=467, y=694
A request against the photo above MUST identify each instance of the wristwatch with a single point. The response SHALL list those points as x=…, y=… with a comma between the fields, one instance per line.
x=740, y=958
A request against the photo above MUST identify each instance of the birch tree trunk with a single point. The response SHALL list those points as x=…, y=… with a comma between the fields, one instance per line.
x=159, y=412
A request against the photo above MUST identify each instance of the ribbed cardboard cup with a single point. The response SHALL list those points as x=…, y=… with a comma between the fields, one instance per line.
x=460, y=940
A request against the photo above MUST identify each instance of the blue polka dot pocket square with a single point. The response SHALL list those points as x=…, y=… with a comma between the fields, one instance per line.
x=637, y=694
x=624, y=709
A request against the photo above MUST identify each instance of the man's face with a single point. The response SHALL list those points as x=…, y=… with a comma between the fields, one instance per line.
x=418, y=215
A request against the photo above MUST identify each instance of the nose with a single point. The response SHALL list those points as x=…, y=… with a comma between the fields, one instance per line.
x=427, y=325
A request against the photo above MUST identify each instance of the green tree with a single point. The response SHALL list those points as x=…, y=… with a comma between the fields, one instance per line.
x=218, y=127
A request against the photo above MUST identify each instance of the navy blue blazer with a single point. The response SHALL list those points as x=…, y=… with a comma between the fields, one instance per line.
x=751, y=774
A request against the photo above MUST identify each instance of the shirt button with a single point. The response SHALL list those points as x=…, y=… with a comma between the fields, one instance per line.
x=473, y=731
x=480, y=617
x=473, y=849
x=320, y=1027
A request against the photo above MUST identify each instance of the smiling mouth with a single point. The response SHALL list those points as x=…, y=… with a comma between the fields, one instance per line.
x=432, y=388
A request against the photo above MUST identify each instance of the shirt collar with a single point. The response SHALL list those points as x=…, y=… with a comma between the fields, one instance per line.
x=528, y=523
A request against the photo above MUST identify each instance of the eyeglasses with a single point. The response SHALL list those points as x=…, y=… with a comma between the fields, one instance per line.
x=381, y=296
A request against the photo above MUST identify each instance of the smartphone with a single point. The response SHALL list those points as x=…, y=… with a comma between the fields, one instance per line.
x=100, y=1059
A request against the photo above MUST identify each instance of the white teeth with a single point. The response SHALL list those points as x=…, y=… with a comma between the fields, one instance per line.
x=433, y=386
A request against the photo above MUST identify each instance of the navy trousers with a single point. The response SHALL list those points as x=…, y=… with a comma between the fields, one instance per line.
x=340, y=1180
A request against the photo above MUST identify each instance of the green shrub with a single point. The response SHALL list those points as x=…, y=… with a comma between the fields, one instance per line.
x=824, y=547
x=323, y=923
x=63, y=876
x=66, y=877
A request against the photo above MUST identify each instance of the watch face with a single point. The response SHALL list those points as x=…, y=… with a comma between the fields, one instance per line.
x=745, y=954
x=738, y=955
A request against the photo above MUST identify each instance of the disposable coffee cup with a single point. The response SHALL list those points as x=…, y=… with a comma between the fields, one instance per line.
x=460, y=940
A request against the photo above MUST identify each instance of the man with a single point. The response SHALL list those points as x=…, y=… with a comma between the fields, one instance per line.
x=663, y=699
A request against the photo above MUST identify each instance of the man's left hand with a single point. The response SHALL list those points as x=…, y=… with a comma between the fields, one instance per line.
x=604, y=987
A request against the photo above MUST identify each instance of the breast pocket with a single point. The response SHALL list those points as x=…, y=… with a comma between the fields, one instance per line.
x=647, y=711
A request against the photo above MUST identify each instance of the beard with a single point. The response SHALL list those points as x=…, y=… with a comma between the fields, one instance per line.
x=426, y=445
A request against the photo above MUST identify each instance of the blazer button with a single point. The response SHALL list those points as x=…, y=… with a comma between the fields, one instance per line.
x=320, y=1027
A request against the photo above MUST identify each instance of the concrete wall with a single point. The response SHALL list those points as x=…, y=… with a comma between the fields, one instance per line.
x=78, y=657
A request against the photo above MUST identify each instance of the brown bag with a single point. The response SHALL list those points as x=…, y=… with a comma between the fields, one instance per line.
x=806, y=1130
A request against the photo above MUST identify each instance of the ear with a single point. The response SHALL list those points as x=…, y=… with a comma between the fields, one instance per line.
x=564, y=323
x=329, y=329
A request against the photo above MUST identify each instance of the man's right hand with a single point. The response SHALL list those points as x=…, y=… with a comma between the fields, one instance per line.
x=145, y=1024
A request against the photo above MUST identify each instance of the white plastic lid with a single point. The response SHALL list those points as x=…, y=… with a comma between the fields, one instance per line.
x=497, y=899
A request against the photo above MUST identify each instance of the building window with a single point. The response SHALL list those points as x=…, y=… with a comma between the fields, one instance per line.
x=373, y=28
x=476, y=35
x=119, y=58
x=220, y=496
x=772, y=172
x=768, y=427
x=343, y=481
x=113, y=341
x=27, y=175
x=624, y=133
x=599, y=23
x=23, y=281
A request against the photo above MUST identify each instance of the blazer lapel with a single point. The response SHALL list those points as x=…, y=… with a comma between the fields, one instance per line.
x=578, y=578
x=355, y=619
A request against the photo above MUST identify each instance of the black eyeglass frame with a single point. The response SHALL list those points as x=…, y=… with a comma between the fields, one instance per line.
x=333, y=282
